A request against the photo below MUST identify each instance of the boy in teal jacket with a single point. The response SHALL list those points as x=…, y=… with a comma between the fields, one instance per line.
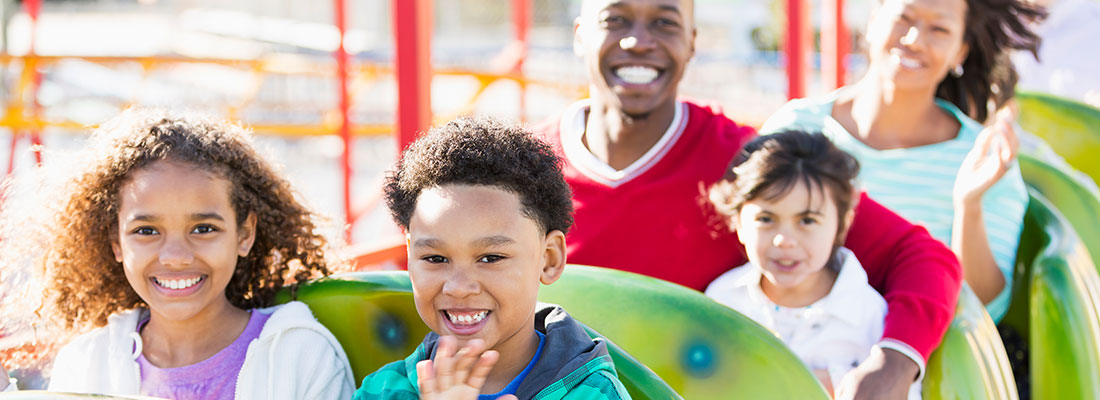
x=486, y=209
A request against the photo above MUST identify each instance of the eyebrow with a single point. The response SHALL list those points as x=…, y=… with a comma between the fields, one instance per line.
x=488, y=241
x=194, y=217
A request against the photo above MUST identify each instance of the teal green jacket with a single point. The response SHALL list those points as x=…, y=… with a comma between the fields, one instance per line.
x=572, y=366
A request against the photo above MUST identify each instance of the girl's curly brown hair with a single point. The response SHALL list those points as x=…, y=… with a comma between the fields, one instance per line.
x=84, y=284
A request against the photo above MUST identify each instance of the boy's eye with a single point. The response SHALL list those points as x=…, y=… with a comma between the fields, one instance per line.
x=808, y=221
x=491, y=258
x=435, y=259
x=764, y=219
x=145, y=230
x=204, y=229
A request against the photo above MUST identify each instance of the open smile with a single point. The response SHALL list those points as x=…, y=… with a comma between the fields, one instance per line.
x=182, y=286
x=465, y=321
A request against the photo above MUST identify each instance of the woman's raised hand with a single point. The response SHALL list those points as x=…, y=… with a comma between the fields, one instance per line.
x=456, y=375
x=988, y=161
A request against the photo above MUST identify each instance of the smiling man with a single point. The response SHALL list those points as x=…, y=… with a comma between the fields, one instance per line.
x=639, y=160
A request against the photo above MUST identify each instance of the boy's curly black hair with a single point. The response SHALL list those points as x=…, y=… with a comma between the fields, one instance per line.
x=483, y=151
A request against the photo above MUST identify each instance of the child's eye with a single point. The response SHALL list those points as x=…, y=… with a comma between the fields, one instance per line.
x=614, y=20
x=435, y=259
x=808, y=221
x=667, y=23
x=204, y=229
x=145, y=230
x=764, y=219
x=491, y=258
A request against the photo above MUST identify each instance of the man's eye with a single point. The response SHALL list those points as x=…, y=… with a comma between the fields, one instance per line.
x=435, y=259
x=667, y=23
x=614, y=20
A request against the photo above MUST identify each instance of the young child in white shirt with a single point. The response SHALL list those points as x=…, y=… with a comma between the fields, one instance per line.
x=789, y=196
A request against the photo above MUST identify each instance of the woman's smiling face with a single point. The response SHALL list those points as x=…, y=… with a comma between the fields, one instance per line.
x=915, y=43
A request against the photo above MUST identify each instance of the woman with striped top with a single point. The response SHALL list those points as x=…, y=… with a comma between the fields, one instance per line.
x=934, y=67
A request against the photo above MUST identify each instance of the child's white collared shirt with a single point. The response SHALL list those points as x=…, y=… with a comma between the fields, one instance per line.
x=835, y=333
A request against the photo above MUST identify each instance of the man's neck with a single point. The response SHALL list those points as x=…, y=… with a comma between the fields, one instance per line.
x=619, y=139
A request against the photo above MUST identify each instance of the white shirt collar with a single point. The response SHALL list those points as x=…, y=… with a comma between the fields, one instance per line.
x=572, y=128
x=842, y=301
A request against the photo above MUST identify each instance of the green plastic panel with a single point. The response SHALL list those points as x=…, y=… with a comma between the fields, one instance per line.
x=1056, y=312
x=1071, y=128
x=971, y=362
x=1078, y=205
x=702, y=349
x=373, y=316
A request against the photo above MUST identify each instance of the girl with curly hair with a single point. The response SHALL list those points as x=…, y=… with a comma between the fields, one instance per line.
x=171, y=241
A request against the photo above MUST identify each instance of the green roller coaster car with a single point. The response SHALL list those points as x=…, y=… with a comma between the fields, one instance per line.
x=1071, y=128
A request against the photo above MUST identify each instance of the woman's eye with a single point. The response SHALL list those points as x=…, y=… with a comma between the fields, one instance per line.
x=435, y=259
x=492, y=258
x=145, y=230
x=204, y=229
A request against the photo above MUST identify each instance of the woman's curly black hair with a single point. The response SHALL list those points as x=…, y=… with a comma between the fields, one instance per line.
x=483, y=151
x=994, y=28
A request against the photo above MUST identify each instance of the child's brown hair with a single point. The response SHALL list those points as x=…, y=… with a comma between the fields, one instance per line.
x=770, y=166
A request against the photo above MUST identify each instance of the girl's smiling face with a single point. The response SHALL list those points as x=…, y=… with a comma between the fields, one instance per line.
x=178, y=239
x=790, y=239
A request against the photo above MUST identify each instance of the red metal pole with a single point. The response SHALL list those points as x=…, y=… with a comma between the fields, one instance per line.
x=345, y=122
x=796, y=45
x=412, y=26
x=834, y=44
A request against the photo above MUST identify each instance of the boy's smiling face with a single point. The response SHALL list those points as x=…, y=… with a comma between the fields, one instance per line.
x=476, y=261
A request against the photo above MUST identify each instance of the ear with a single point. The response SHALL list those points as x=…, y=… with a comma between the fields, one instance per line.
x=578, y=44
x=849, y=216
x=735, y=225
x=246, y=235
x=694, y=34
x=116, y=246
x=553, y=257
x=964, y=50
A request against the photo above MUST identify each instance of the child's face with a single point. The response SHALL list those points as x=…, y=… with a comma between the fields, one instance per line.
x=178, y=239
x=790, y=238
x=476, y=261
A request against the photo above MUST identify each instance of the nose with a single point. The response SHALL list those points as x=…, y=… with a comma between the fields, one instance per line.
x=176, y=252
x=783, y=240
x=638, y=40
x=460, y=284
x=911, y=36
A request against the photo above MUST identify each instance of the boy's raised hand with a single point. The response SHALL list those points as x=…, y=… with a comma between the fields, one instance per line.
x=456, y=375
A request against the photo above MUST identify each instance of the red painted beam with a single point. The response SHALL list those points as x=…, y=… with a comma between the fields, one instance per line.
x=345, y=109
x=795, y=46
x=834, y=44
x=412, y=32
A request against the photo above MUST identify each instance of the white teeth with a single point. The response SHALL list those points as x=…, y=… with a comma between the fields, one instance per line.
x=467, y=319
x=907, y=62
x=177, y=284
x=637, y=74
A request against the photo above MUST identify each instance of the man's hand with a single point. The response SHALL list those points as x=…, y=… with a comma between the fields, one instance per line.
x=456, y=376
x=886, y=374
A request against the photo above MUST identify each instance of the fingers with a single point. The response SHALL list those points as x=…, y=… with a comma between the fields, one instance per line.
x=425, y=379
x=465, y=359
x=481, y=370
x=445, y=361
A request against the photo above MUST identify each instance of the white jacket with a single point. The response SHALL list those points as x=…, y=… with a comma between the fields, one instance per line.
x=295, y=357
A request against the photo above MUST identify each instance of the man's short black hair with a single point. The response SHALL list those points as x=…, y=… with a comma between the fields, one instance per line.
x=483, y=151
